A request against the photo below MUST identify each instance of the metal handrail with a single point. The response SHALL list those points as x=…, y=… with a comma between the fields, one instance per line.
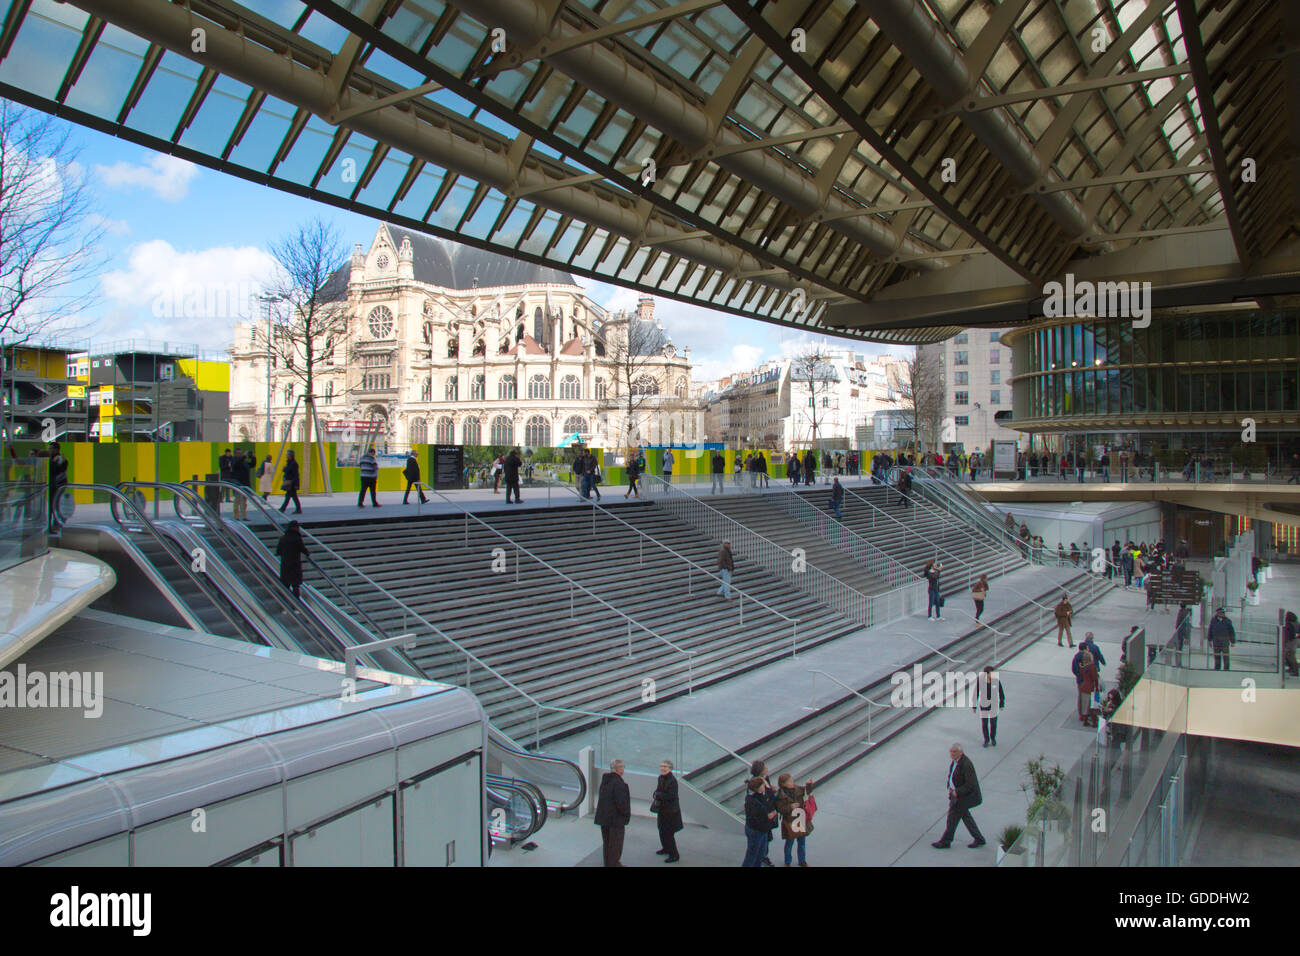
x=470, y=657
x=855, y=693
x=694, y=564
x=824, y=586
x=264, y=571
x=240, y=625
x=519, y=548
x=952, y=555
x=929, y=648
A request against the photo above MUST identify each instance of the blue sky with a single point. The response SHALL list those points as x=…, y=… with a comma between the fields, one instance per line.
x=171, y=227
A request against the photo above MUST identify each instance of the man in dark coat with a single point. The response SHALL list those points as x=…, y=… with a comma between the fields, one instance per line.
x=412, y=474
x=1221, y=634
x=290, y=484
x=291, y=551
x=717, y=468
x=668, y=809
x=225, y=464
x=241, y=473
x=809, y=467
x=963, y=795
x=511, y=471
x=613, y=812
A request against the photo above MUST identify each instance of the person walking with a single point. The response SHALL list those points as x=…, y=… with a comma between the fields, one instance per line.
x=510, y=469
x=613, y=812
x=904, y=487
x=989, y=701
x=1222, y=635
x=931, y=573
x=759, y=815
x=1290, y=638
x=667, y=808
x=726, y=564
x=291, y=551
x=717, y=471
x=963, y=796
x=225, y=471
x=1064, y=618
x=369, y=478
x=837, y=498
x=796, y=821
x=1084, y=667
x=809, y=467
x=497, y=467
x=57, y=478
x=979, y=593
x=1126, y=564
x=1091, y=647
x=792, y=468
x=290, y=484
x=412, y=474
x=668, y=465
x=240, y=474
x=762, y=469
x=580, y=477
x=633, y=476
x=266, y=478
x=593, y=473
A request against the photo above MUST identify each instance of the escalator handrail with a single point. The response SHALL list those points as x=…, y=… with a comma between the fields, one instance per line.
x=500, y=790
x=529, y=787
x=275, y=518
x=499, y=740
x=219, y=601
x=257, y=572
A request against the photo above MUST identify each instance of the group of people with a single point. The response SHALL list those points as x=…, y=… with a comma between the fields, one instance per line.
x=240, y=468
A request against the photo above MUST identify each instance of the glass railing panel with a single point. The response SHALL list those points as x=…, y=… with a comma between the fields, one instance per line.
x=24, y=519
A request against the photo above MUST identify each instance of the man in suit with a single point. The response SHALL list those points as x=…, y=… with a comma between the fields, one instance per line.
x=963, y=795
x=613, y=812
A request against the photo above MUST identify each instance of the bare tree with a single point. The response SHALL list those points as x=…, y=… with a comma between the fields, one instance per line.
x=812, y=365
x=921, y=389
x=634, y=347
x=49, y=237
x=316, y=319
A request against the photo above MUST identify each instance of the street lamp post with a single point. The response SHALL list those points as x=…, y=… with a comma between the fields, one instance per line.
x=268, y=298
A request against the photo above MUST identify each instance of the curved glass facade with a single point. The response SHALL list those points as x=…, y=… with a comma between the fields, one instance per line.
x=1189, y=370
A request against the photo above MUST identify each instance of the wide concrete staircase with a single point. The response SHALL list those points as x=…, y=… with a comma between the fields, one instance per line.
x=537, y=630
x=853, y=724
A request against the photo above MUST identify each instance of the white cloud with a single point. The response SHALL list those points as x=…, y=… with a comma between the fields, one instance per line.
x=114, y=227
x=165, y=176
x=178, y=296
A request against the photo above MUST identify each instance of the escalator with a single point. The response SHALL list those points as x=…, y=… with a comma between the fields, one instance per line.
x=516, y=810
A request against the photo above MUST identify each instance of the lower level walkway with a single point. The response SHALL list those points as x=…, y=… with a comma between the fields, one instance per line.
x=888, y=808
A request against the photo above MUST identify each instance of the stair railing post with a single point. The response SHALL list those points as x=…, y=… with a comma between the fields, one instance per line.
x=629, y=638
x=467, y=531
x=794, y=648
x=516, y=565
x=570, y=600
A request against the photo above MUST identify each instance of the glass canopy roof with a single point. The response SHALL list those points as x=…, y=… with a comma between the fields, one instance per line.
x=793, y=160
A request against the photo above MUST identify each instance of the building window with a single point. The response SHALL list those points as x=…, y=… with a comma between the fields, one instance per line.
x=570, y=387
x=601, y=390
x=539, y=386
x=960, y=358
x=329, y=391
x=645, y=385
x=503, y=431
x=473, y=432
x=962, y=420
x=538, y=432
x=446, y=431
x=995, y=336
x=477, y=390
x=995, y=377
x=480, y=347
x=426, y=390
x=995, y=357
x=575, y=425
x=288, y=394
x=961, y=378
x=960, y=338
x=381, y=322
x=453, y=347
x=995, y=397
x=419, y=431
x=506, y=388
x=452, y=390
x=962, y=398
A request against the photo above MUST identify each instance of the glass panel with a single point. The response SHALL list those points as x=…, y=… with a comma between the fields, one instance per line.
x=1275, y=391
x=1227, y=392
x=1243, y=391
x=1212, y=391
x=1197, y=381
x=23, y=525
x=1258, y=391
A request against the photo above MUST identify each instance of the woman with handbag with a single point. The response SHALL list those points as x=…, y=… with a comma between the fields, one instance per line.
x=666, y=806
x=796, y=806
x=290, y=485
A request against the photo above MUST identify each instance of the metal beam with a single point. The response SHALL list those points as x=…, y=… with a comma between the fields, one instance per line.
x=978, y=103
x=1123, y=178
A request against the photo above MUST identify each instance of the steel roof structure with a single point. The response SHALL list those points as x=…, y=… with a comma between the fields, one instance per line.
x=892, y=170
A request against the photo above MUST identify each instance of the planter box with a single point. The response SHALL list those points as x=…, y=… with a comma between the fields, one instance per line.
x=1268, y=572
x=1252, y=597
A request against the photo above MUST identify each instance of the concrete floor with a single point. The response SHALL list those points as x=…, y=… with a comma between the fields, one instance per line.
x=1248, y=809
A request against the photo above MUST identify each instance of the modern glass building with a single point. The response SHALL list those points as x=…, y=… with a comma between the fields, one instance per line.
x=1185, y=383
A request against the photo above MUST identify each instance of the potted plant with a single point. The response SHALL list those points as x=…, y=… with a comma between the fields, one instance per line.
x=1252, y=592
x=1008, y=839
x=1043, y=784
